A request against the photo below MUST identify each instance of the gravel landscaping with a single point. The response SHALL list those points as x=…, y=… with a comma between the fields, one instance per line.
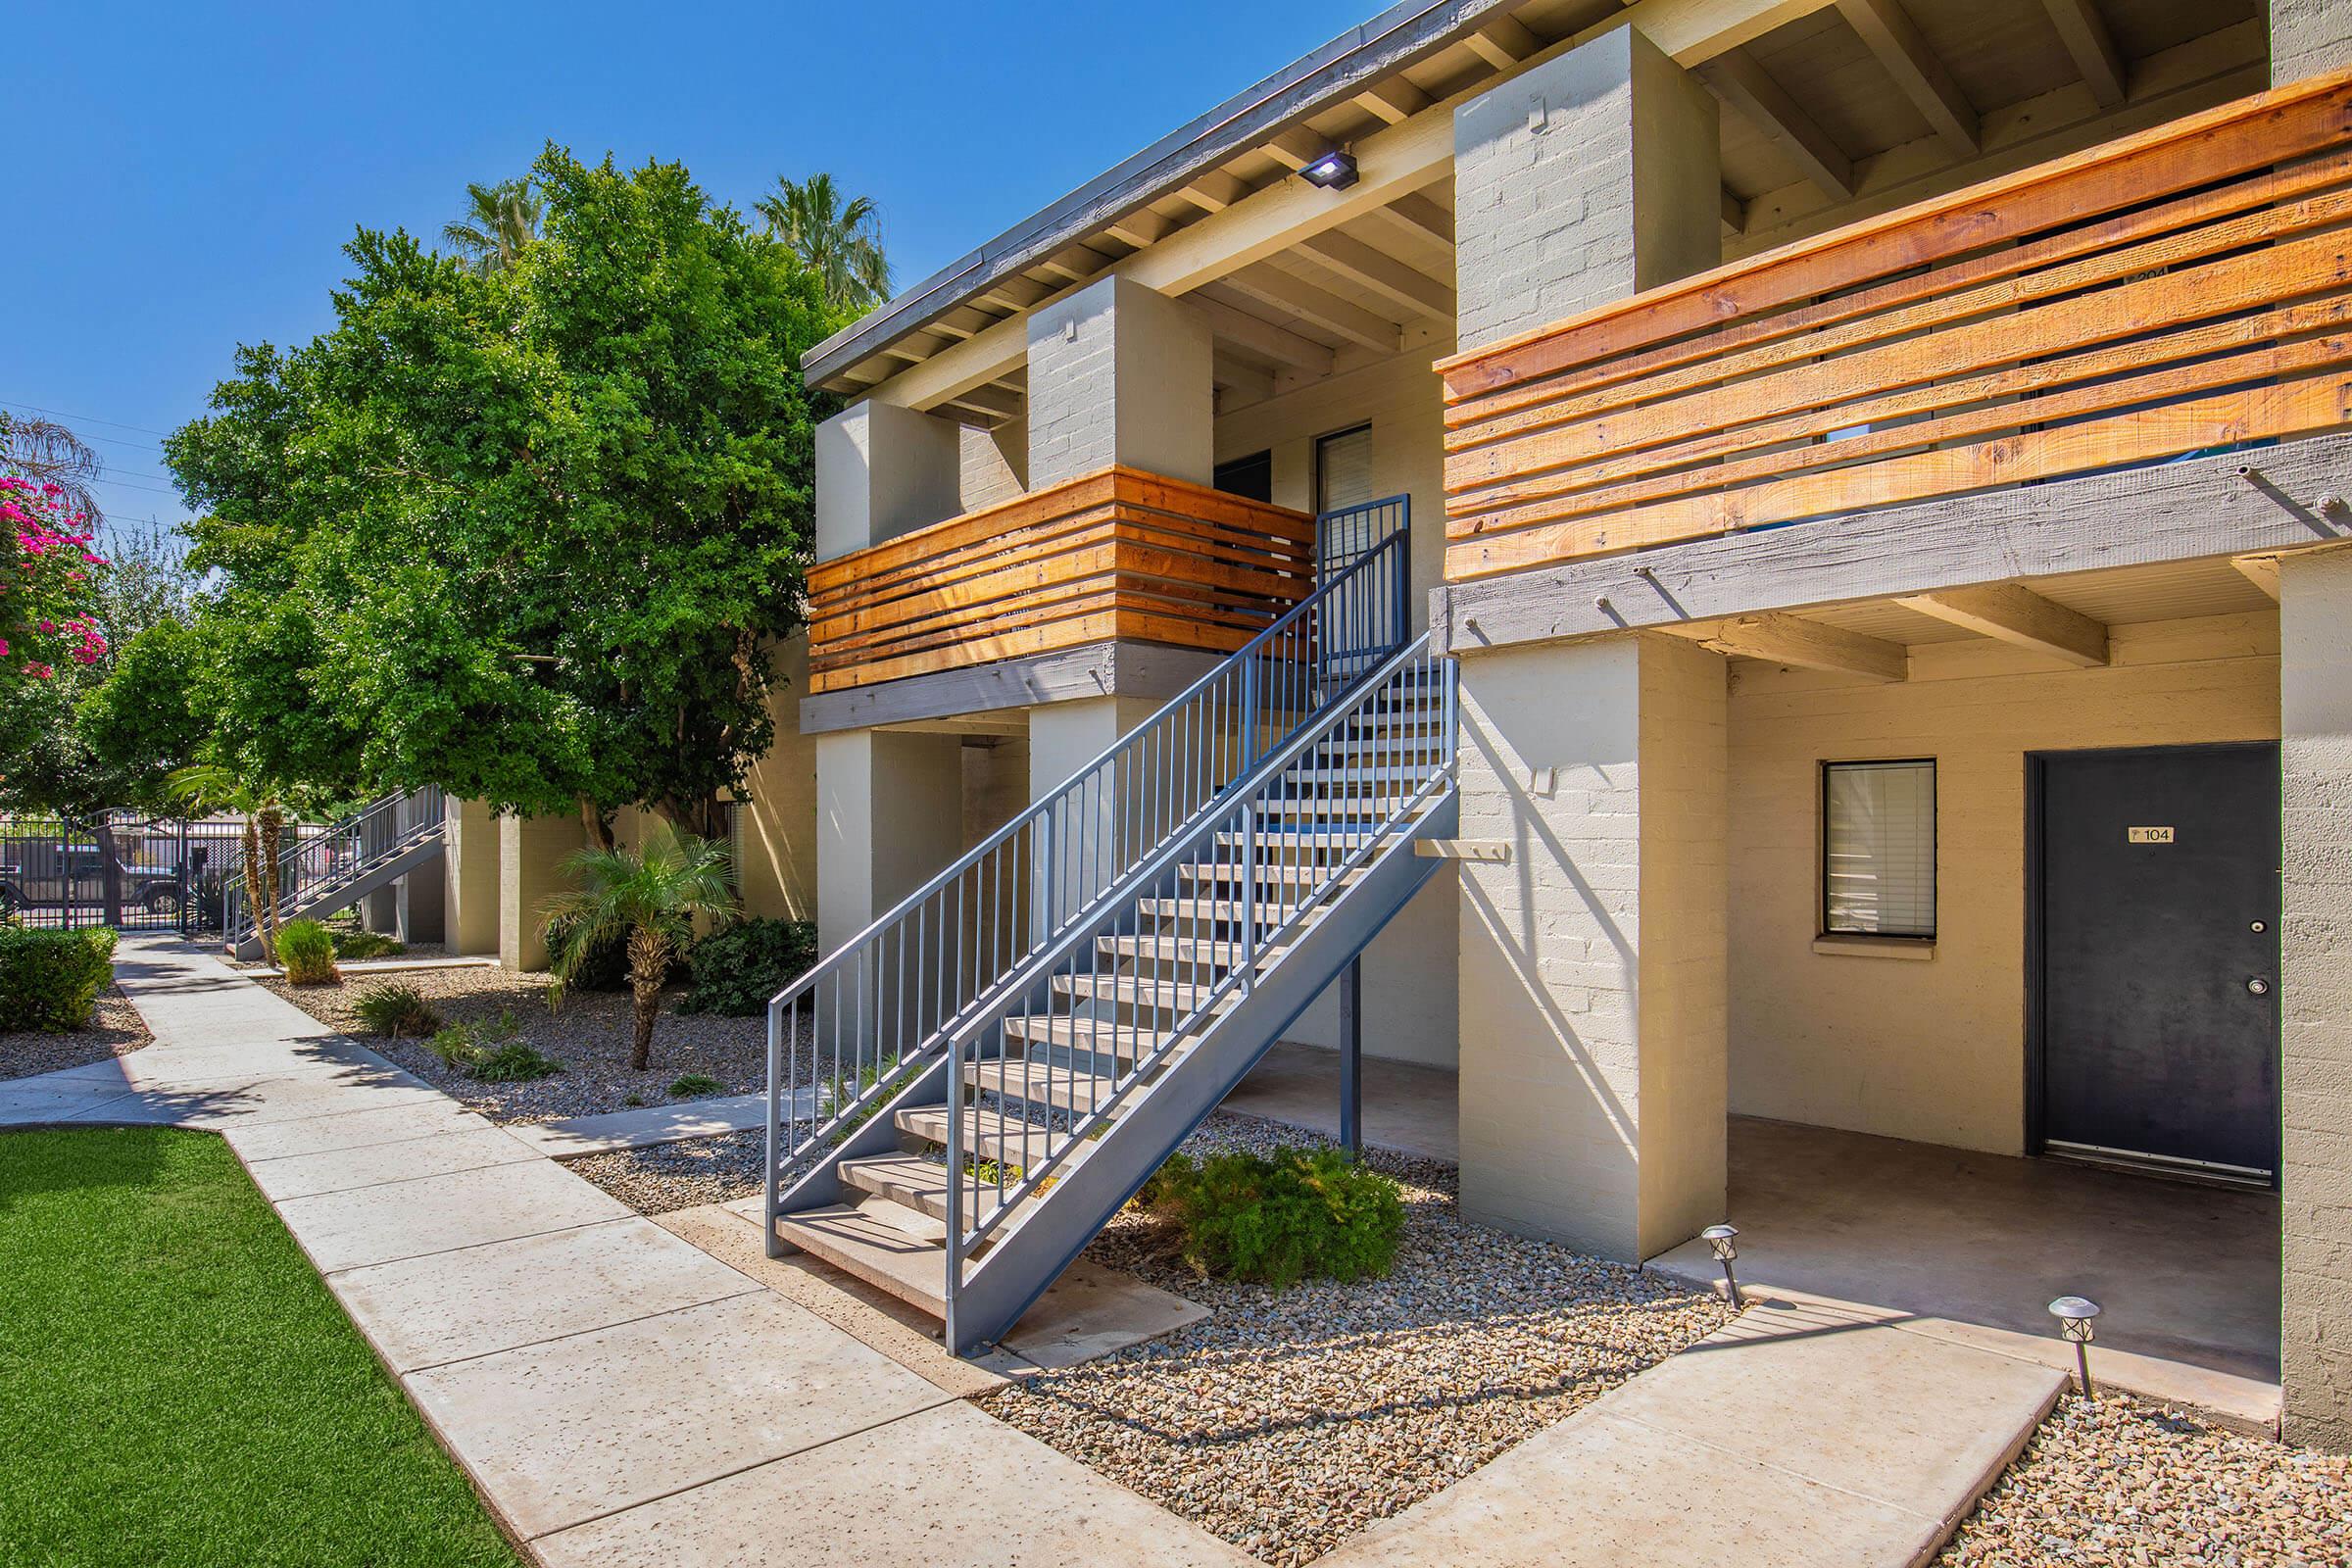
x=589, y=1036
x=2128, y=1483
x=1290, y=1420
x=114, y=1027
x=680, y=1175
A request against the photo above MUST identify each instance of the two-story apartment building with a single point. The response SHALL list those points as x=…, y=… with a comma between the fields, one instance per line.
x=1877, y=475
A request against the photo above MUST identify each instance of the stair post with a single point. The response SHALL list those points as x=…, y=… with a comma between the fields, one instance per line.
x=1352, y=1058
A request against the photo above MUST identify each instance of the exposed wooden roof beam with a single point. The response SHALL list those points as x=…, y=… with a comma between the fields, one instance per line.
x=1419, y=217
x=1213, y=190
x=2017, y=616
x=1141, y=228
x=1264, y=338
x=2260, y=571
x=1502, y=43
x=1296, y=148
x=1076, y=263
x=1324, y=309
x=1248, y=382
x=1737, y=78
x=1015, y=292
x=2093, y=47
x=995, y=401
x=1782, y=639
x=1382, y=273
x=1896, y=39
x=1394, y=100
x=1734, y=212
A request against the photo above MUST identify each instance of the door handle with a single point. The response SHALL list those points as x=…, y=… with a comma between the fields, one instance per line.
x=2259, y=986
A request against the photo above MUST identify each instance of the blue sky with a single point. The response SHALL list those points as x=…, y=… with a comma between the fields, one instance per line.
x=185, y=174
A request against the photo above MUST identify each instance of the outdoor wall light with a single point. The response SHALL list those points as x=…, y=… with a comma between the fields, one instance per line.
x=2074, y=1314
x=1334, y=171
x=1723, y=1242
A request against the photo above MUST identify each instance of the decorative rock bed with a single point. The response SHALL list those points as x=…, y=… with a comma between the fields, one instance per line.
x=115, y=1028
x=2128, y=1483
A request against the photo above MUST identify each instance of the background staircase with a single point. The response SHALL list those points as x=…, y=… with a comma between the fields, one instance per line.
x=342, y=863
x=1004, y=1060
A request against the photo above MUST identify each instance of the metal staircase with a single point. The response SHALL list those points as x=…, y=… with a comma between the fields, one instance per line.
x=341, y=863
x=999, y=1063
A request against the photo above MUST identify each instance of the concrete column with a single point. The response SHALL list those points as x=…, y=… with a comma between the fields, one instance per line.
x=882, y=470
x=1064, y=737
x=2309, y=38
x=1593, y=965
x=420, y=903
x=531, y=851
x=2315, y=1080
x=469, y=884
x=1120, y=373
x=889, y=816
x=1581, y=182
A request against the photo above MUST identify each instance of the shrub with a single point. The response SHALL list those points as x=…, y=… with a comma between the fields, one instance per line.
x=306, y=951
x=1279, y=1218
x=396, y=1010
x=355, y=945
x=736, y=970
x=689, y=1084
x=50, y=979
x=513, y=1063
x=454, y=1045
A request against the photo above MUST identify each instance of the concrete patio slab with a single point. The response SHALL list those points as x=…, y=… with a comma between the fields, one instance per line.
x=1094, y=1311
x=1408, y=1107
x=565, y=1432
x=340, y=1170
x=445, y=1306
x=441, y=1213
x=37, y=1102
x=947, y=1487
x=576, y=1136
x=352, y=1129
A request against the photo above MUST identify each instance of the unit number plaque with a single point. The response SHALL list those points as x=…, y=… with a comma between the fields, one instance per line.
x=2147, y=835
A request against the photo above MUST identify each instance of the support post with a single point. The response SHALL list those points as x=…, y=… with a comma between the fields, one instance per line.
x=1352, y=1058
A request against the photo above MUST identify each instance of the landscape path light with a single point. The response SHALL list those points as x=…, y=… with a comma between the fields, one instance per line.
x=2074, y=1314
x=1722, y=1241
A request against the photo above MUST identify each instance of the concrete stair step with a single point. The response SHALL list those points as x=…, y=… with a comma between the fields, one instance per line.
x=1224, y=910
x=1183, y=993
x=1040, y=1083
x=1190, y=952
x=1103, y=1037
x=885, y=1255
x=988, y=1133
x=1269, y=870
x=1387, y=771
x=1337, y=839
x=907, y=1180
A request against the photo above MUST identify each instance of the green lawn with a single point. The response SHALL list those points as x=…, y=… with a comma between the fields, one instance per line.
x=176, y=1386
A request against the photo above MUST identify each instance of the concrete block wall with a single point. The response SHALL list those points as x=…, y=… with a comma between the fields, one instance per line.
x=469, y=883
x=1120, y=373
x=532, y=851
x=2315, y=685
x=2308, y=37
x=1581, y=182
x=1591, y=963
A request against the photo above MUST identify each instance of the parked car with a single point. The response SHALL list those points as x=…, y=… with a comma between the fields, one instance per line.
x=46, y=876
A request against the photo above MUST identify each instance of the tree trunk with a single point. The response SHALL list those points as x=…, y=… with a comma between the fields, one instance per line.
x=272, y=823
x=597, y=823
x=649, y=967
x=253, y=878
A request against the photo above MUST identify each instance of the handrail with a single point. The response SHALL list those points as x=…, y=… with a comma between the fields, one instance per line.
x=343, y=850
x=877, y=1007
x=1394, y=776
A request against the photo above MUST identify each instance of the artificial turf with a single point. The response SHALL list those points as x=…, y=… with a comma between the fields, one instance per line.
x=176, y=1386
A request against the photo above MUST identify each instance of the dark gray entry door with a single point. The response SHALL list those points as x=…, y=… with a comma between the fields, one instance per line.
x=2159, y=974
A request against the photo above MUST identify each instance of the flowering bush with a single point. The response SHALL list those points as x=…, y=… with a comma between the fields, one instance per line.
x=45, y=588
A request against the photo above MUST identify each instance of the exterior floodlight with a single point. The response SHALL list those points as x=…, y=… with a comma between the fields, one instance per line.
x=1334, y=171
x=1723, y=1242
x=2074, y=1314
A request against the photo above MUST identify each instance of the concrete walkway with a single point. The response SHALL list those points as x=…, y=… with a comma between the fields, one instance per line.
x=651, y=1125
x=1803, y=1433
x=619, y=1396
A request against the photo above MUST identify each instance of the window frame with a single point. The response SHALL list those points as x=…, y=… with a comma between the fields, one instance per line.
x=1823, y=930
x=1362, y=427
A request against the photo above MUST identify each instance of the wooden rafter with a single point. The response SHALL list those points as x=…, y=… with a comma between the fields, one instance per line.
x=1296, y=148
x=1263, y=339
x=1502, y=43
x=2093, y=47
x=1783, y=639
x=1887, y=28
x=1382, y=273
x=2019, y=616
x=1213, y=190
x=1394, y=100
x=1321, y=307
x=1737, y=78
x=1141, y=228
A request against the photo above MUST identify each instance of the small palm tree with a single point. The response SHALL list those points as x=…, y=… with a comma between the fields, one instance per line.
x=654, y=900
x=499, y=221
x=202, y=789
x=840, y=241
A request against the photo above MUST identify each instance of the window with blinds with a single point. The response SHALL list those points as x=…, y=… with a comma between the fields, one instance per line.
x=1344, y=468
x=1877, y=849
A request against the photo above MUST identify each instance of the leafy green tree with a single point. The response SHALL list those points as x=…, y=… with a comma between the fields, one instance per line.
x=653, y=900
x=500, y=221
x=526, y=533
x=838, y=238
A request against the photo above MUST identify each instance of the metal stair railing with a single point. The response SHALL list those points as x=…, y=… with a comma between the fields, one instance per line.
x=1283, y=879
x=874, y=1012
x=313, y=866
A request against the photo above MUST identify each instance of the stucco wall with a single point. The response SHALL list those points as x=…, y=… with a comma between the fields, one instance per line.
x=776, y=840
x=1935, y=1050
x=1409, y=969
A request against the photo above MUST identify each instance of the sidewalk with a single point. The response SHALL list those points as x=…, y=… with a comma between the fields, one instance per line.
x=618, y=1395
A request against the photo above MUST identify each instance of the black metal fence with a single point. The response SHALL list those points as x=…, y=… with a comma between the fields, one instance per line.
x=130, y=873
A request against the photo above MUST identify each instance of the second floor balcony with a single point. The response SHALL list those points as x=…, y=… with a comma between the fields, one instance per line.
x=2182, y=290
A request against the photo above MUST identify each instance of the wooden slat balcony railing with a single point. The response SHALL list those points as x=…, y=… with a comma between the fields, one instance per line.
x=1118, y=555
x=2182, y=289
